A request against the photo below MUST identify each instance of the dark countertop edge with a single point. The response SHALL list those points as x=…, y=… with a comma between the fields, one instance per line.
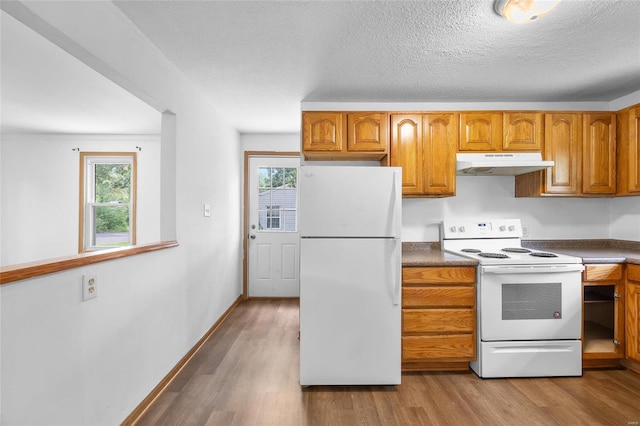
x=589, y=250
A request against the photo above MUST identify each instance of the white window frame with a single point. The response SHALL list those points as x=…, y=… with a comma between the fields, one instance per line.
x=88, y=160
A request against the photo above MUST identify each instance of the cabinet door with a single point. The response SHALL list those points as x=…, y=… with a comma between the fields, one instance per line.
x=633, y=313
x=603, y=321
x=522, y=131
x=368, y=132
x=480, y=131
x=563, y=144
x=599, y=153
x=322, y=131
x=439, y=151
x=634, y=150
x=406, y=150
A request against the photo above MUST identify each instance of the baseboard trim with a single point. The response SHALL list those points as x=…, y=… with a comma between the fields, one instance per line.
x=631, y=365
x=135, y=415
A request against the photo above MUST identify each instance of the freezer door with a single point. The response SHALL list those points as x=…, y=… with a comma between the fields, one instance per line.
x=350, y=323
x=347, y=201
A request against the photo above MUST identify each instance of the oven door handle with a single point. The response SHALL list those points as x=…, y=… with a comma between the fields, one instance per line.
x=532, y=269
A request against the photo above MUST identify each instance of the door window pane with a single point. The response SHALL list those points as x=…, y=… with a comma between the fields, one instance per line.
x=278, y=199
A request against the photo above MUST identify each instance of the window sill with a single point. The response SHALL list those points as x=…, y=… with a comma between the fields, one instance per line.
x=25, y=271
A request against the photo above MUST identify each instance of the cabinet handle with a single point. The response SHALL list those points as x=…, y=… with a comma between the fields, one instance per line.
x=616, y=342
x=616, y=296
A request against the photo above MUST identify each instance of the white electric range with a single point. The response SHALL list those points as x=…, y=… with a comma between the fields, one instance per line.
x=529, y=303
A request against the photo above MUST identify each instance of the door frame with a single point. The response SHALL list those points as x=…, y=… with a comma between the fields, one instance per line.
x=245, y=220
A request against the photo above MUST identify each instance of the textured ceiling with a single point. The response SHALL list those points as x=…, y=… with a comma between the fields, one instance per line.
x=258, y=60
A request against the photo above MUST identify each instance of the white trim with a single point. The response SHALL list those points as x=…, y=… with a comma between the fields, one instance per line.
x=455, y=106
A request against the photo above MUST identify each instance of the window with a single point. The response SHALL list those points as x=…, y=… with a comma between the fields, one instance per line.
x=108, y=200
x=277, y=204
x=273, y=217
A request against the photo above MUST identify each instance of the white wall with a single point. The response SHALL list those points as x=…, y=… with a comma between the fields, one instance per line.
x=280, y=142
x=40, y=181
x=64, y=361
x=492, y=197
x=625, y=218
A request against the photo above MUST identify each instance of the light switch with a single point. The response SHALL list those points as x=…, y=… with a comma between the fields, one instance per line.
x=207, y=210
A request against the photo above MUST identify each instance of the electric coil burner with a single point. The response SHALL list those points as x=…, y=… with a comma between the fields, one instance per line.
x=493, y=255
x=528, y=301
x=516, y=250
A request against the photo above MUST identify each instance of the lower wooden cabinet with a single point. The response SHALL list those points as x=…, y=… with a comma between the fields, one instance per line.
x=603, y=315
x=438, y=318
x=633, y=313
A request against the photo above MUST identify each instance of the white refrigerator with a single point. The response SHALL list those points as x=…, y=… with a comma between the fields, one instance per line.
x=350, y=275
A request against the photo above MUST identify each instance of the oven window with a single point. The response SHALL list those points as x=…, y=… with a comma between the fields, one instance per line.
x=530, y=301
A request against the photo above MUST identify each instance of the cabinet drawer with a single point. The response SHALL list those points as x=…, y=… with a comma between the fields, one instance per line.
x=416, y=297
x=415, y=348
x=604, y=272
x=438, y=320
x=438, y=275
x=633, y=272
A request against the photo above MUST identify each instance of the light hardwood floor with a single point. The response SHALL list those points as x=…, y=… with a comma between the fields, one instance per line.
x=247, y=374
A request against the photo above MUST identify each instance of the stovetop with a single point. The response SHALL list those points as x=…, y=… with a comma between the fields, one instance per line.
x=495, y=242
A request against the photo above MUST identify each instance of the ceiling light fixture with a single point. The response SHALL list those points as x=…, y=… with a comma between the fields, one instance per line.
x=523, y=11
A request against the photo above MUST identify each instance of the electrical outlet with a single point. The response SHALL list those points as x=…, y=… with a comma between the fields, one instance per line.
x=525, y=231
x=89, y=287
x=207, y=210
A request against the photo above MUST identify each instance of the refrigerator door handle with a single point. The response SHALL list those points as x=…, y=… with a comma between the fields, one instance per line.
x=398, y=218
x=397, y=278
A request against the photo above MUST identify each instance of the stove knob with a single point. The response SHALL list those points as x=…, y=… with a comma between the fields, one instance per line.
x=452, y=229
x=503, y=228
x=512, y=228
x=461, y=229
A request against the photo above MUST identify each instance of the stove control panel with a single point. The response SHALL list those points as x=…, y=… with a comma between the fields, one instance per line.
x=469, y=229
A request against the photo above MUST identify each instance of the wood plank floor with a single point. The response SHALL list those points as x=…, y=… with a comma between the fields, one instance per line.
x=247, y=374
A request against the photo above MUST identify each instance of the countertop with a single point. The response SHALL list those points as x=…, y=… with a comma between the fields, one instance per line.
x=591, y=251
x=430, y=254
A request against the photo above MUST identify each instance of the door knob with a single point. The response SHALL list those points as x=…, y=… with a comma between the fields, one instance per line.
x=252, y=236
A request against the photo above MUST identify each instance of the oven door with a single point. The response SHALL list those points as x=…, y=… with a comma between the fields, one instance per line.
x=530, y=302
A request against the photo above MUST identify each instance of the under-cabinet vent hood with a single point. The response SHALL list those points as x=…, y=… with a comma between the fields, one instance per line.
x=500, y=163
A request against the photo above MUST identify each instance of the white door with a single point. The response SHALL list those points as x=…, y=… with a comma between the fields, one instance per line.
x=273, y=227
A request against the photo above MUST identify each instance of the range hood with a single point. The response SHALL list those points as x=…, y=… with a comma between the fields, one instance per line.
x=500, y=163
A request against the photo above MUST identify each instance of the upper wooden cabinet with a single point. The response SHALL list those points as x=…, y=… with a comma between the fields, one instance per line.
x=599, y=153
x=563, y=145
x=424, y=145
x=480, y=131
x=406, y=150
x=522, y=131
x=368, y=132
x=583, y=147
x=629, y=151
x=501, y=131
x=345, y=136
x=323, y=131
